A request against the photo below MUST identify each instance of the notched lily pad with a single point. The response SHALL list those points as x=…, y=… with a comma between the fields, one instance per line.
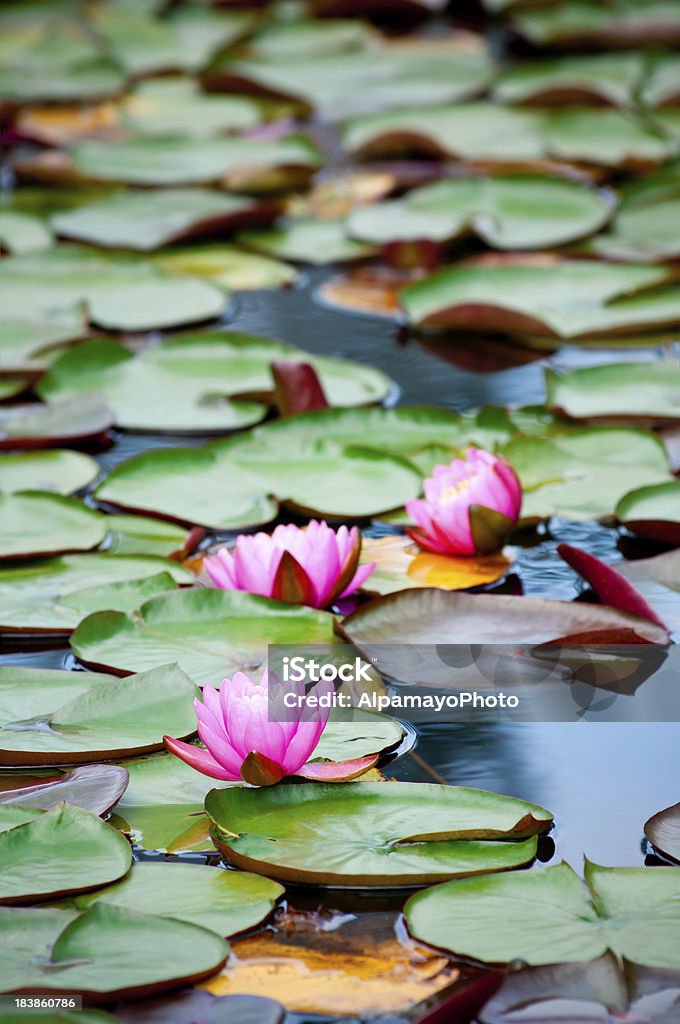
x=374, y=834
x=94, y=717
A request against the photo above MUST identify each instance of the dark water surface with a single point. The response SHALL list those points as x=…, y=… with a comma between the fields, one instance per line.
x=602, y=780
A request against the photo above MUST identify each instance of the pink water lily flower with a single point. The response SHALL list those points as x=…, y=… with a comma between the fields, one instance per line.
x=313, y=565
x=252, y=735
x=470, y=506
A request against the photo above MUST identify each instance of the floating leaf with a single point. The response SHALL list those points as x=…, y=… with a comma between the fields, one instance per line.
x=642, y=228
x=242, y=163
x=20, y=232
x=52, y=595
x=560, y=299
x=401, y=565
x=96, y=788
x=61, y=471
x=30, y=344
x=226, y=902
x=209, y=633
x=587, y=22
x=305, y=240
x=364, y=833
x=191, y=377
x=34, y=523
x=45, y=426
x=506, y=212
x=63, y=851
x=652, y=511
x=550, y=916
x=663, y=832
x=107, y=951
x=145, y=221
x=121, y=293
x=230, y=268
x=92, y=718
x=618, y=391
x=611, y=78
x=140, y=535
x=176, y=106
x=403, y=72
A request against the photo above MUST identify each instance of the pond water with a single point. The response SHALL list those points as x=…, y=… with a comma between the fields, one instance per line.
x=602, y=780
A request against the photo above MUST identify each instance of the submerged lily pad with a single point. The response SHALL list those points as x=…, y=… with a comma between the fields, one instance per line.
x=506, y=212
x=235, y=163
x=226, y=902
x=145, y=221
x=93, y=787
x=34, y=523
x=121, y=293
x=60, y=471
x=663, y=832
x=210, y=633
x=227, y=266
x=42, y=426
x=63, y=851
x=652, y=511
x=551, y=916
x=556, y=299
x=373, y=833
x=191, y=378
x=648, y=391
x=90, y=717
x=107, y=951
x=52, y=595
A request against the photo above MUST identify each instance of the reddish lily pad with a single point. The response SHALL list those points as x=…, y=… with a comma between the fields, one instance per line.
x=94, y=787
x=653, y=512
x=663, y=832
x=49, y=426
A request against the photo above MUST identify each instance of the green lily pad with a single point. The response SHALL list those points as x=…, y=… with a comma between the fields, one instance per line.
x=107, y=951
x=484, y=131
x=183, y=41
x=191, y=378
x=652, y=511
x=62, y=851
x=336, y=85
x=506, y=212
x=551, y=916
x=210, y=633
x=663, y=832
x=141, y=535
x=120, y=292
x=235, y=163
x=643, y=227
x=60, y=471
x=226, y=902
x=96, y=788
x=611, y=78
x=373, y=833
x=227, y=266
x=30, y=344
x=658, y=580
x=307, y=241
x=648, y=391
x=38, y=426
x=52, y=595
x=560, y=299
x=34, y=523
x=12, y=387
x=584, y=473
x=662, y=83
x=20, y=232
x=304, y=38
x=145, y=221
x=587, y=22
x=177, y=106
x=55, y=720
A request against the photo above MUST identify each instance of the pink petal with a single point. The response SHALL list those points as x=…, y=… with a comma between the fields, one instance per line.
x=199, y=759
x=359, y=578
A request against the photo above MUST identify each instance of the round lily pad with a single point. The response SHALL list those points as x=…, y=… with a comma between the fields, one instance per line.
x=42, y=426
x=209, y=633
x=550, y=916
x=62, y=851
x=61, y=471
x=374, y=834
x=61, y=717
x=652, y=511
x=52, y=595
x=176, y=105
x=227, y=266
x=643, y=391
x=226, y=902
x=36, y=523
x=107, y=951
